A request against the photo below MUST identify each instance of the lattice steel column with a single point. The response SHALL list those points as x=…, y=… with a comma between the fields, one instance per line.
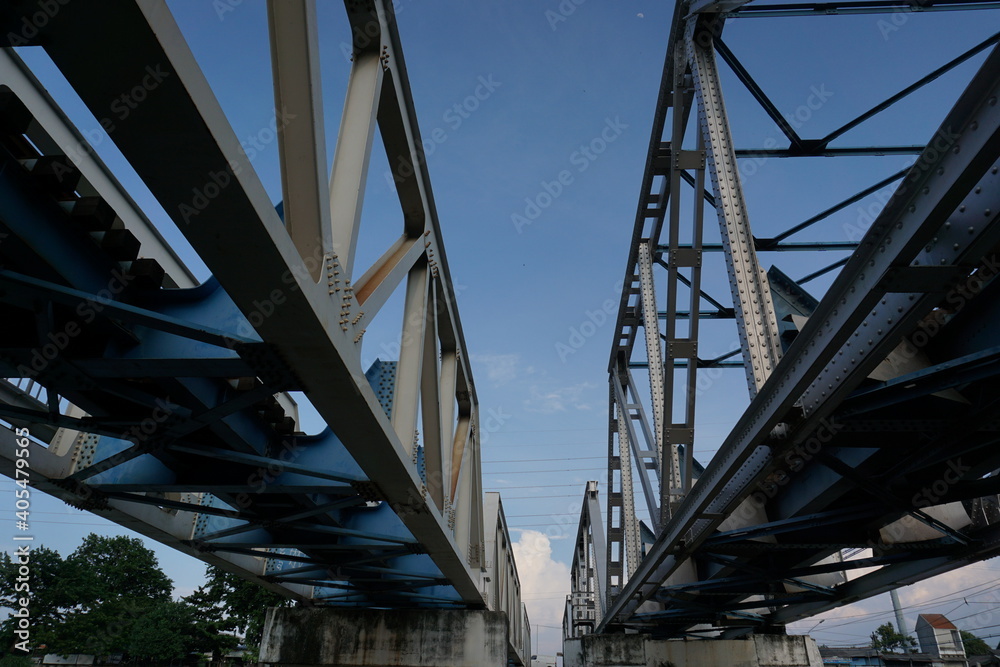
x=587, y=602
x=755, y=316
x=641, y=441
x=654, y=353
x=630, y=525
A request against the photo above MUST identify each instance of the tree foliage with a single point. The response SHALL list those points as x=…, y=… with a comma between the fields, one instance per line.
x=885, y=639
x=111, y=597
x=242, y=603
x=50, y=599
x=974, y=645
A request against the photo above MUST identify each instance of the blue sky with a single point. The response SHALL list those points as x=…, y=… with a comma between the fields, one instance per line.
x=548, y=88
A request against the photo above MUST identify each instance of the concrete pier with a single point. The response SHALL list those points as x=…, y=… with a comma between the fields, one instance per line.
x=641, y=651
x=309, y=637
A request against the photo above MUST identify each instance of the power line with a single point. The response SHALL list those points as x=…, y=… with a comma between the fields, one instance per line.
x=525, y=472
x=568, y=495
x=575, y=458
x=537, y=486
x=870, y=616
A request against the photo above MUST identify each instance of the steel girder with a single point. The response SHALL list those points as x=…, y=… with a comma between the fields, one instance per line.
x=764, y=569
x=295, y=321
x=588, y=597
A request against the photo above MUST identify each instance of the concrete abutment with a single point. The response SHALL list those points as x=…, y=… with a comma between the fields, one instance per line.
x=618, y=650
x=314, y=636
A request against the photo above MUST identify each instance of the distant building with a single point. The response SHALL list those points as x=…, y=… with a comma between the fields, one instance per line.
x=940, y=638
x=868, y=657
x=543, y=661
x=850, y=656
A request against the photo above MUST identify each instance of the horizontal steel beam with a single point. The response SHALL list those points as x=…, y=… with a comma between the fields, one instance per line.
x=857, y=7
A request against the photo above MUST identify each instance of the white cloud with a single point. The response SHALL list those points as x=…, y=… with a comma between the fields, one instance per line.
x=559, y=400
x=544, y=587
x=500, y=368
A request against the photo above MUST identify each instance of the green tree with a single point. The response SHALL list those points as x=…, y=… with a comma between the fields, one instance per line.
x=114, y=568
x=885, y=639
x=116, y=584
x=243, y=603
x=165, y=633
x=110, y=596
x=974, y=645
x=212, y=629
x=15, y=661
x=49, y=600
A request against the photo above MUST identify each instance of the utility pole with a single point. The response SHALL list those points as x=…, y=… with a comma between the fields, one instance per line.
x=900, y=622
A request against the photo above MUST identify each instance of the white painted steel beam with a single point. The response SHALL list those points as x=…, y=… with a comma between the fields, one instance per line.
x=411, y=355
x=353, y=153
x=630, y=525
x=298, y=108
x=430, y=403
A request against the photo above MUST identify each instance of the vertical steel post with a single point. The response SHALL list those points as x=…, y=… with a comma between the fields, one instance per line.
x=298, y=106
x=755, y=316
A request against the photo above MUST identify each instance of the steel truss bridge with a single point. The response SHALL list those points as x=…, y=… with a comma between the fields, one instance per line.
x=166, y=405
x=867, y=457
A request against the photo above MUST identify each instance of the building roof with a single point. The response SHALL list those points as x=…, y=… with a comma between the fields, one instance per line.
x=937, y=621
x=847, y=652
x=868, y=652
